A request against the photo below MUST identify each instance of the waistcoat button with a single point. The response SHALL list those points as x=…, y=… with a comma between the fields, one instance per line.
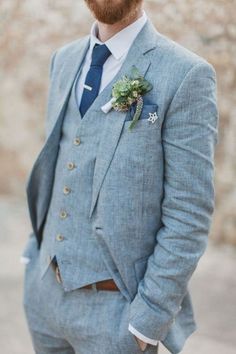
x=66, y=190
x=63, y=214
x=59, y=237
x=70, y=165
x=77, y=141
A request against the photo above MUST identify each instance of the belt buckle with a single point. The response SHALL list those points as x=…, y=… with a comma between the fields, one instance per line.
x=58, y=276
x=94, y=286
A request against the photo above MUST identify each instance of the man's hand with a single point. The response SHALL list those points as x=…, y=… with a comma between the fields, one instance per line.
x=142, y=345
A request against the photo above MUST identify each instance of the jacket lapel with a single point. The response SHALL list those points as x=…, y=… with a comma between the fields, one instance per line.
x=138, y=56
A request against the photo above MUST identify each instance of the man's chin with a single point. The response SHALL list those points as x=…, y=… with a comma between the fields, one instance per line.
x=110, y=21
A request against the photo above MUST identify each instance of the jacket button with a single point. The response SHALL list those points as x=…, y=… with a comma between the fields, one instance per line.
x=77, y=141
x=66, y=190
x=59, y=237
x=70, y=165
x=63, y=214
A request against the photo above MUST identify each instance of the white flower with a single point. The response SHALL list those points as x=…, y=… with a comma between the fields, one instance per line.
x=152, y=117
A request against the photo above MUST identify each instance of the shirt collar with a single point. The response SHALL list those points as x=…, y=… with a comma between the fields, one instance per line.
x=121, y=42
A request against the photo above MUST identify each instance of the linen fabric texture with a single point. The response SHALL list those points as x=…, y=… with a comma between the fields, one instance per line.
x=152, y=195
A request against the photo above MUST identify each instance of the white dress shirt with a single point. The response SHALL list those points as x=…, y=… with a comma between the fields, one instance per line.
x=119, y=46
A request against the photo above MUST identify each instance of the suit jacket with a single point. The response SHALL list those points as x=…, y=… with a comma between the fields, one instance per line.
x=153, y=190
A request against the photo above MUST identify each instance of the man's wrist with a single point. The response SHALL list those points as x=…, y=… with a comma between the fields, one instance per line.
x=142, y=337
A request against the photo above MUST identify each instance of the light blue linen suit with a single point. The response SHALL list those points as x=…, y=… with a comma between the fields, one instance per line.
x=151, y=204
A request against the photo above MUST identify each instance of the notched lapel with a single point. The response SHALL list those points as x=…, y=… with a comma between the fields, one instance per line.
x=138, y=55
x=112, y=129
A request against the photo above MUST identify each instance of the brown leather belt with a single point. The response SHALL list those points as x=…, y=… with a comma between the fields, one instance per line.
x=108, y=284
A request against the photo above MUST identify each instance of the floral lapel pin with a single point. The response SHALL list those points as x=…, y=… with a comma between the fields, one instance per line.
x=152, y=117
x=125, y=92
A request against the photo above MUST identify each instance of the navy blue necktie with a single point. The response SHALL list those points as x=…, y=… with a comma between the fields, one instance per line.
x=93, y=79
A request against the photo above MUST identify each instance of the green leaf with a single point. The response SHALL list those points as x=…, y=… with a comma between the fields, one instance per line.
x=135, y=73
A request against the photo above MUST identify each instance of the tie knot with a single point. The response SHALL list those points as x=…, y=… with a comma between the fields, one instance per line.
x=100, y=54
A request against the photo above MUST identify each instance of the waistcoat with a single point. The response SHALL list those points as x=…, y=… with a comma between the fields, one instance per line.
x=67, y=231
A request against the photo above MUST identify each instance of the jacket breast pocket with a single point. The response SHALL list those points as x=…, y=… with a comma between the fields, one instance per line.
x=147, y=108
x=148, y=111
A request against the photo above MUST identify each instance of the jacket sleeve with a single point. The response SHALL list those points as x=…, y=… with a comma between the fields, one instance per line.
x=190, y=133
x=46, y=123
x=29, y=249
x=49, y=95
x=51, y=65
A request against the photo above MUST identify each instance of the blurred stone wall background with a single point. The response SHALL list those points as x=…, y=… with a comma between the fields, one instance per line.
x=30, y=30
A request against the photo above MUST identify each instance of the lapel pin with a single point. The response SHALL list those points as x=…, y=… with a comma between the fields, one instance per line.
x=152, y=117
x=87, y=87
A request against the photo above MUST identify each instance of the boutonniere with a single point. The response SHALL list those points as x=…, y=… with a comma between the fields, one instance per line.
x=127, y=91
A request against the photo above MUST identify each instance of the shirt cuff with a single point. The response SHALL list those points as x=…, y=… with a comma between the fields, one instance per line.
x=141, y=336
x=24, y=260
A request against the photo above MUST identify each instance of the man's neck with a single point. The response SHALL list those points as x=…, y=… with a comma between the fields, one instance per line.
x=106, y=31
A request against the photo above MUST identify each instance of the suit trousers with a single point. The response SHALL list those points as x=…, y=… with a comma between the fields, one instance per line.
x=81, y=321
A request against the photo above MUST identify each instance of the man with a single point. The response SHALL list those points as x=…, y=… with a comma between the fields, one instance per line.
x=120, y=217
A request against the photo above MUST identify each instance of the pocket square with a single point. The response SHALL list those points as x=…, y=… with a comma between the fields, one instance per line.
x=147, y=111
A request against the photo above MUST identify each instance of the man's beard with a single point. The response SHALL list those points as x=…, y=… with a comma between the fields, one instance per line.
x=113, y=11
